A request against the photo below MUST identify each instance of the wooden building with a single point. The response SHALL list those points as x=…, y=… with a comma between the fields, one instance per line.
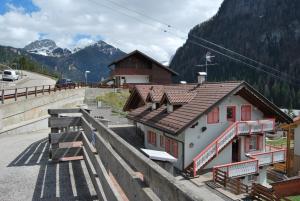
x=138, y=68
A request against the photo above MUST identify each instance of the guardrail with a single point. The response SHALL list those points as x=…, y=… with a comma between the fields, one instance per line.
x=116, y=168
x=15, y=93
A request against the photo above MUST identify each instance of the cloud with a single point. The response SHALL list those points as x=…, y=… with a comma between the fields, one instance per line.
x=65, y=20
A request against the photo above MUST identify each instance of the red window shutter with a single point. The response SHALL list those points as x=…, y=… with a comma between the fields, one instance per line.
x=213, y=116
x=167, y=145
x=154, y=139
x=149, y=137
x=246, y=113
x=260, y=139
x=175, y=149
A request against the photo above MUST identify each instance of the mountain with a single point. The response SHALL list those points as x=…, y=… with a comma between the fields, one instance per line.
x=19, y=59
x=46, y=47
x=94, y=58
x=265, y=30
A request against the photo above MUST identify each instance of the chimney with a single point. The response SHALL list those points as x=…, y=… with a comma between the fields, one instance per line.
x=201, y=77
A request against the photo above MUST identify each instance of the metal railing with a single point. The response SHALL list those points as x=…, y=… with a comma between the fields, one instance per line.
x=240, y=127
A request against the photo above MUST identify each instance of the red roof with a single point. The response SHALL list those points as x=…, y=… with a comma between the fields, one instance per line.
x=196, y=100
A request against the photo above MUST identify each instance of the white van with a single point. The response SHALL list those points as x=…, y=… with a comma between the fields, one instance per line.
x=10, y=75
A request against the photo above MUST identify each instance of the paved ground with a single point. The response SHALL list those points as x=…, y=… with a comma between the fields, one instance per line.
x=29, y=80
x=26, y=173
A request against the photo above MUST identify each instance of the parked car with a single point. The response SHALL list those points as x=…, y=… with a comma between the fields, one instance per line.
x=65, y=83
x=10, y=75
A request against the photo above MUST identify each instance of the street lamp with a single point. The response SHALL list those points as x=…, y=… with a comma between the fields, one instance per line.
x=85, y=75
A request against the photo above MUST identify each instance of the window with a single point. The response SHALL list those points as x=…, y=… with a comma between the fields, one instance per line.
x=231, y=113
x=246, y=113
x=171, y=147
x=151, y=137
x=162, y=141
x=253, y=143
x=213, y=116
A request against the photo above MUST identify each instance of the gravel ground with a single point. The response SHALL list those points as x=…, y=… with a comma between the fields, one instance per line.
x=26, y=173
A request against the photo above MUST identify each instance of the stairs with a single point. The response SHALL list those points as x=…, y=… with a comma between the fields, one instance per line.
x=214, y=148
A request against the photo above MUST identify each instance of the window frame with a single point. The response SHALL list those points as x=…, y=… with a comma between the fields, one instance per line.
x=233, y=107
x=162, y=141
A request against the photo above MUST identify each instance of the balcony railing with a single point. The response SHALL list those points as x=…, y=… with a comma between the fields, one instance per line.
x=245, y=127
x=241, y=127
x=271, y=157
x=240, y=168
x=249, y=167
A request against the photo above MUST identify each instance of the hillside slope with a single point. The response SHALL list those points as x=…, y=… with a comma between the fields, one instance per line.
x=265, y=30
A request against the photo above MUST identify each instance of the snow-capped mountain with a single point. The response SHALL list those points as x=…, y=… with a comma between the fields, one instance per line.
x=46, y=47
x=94, y=57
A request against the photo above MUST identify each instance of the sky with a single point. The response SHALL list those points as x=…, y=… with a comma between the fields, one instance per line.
x=155, y=27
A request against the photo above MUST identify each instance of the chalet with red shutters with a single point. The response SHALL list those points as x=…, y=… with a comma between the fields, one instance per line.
x=138, y=68
x=209, y=126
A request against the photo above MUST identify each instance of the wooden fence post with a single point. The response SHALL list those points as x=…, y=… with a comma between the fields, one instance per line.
x=2, y=96
x=26, y=92
x=35, y=91
x=16, y=94
x=49, y=89
x=43, y=89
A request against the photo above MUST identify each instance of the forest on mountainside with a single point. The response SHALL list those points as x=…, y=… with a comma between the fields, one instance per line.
x=264, y=30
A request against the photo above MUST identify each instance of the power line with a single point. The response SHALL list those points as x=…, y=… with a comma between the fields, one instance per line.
x=197, y=43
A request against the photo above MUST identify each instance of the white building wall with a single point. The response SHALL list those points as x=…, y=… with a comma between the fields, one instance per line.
x=297, y=140
x=196, y=140
x=225, y=156
x=179, y=138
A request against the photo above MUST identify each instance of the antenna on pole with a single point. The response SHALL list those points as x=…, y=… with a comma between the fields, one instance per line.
x=208, y=59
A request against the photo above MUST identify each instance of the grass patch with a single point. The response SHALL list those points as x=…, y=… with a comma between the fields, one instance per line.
x=294, y=198
x=278, y=142
x=116, y=100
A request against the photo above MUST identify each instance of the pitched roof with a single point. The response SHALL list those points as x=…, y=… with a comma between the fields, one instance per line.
x=200, y=100
x=179, y=97
x=145, y=56
x=153, y=93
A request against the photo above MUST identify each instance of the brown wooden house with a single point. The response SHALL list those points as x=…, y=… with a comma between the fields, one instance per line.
x=138, y=68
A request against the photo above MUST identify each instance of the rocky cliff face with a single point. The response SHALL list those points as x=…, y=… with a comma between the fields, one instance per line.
x=265, y=30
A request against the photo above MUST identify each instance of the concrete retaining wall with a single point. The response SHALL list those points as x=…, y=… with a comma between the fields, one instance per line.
x=30, y=114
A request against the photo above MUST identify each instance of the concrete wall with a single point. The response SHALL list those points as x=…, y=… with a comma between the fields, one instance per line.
x=34, y=110
x=196, y=140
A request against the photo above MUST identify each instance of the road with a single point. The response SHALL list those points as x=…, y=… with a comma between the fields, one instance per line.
x=27, y=174
x=29, y=80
